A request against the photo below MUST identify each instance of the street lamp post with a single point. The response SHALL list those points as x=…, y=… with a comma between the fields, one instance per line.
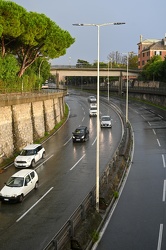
x=127, y=88
x=39, y=71
x=98, y=121
x=127, y=84
x=108, y=83
x=40, y=67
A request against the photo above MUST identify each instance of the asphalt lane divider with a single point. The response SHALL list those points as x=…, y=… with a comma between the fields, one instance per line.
x=77, y=162
x=22, y=216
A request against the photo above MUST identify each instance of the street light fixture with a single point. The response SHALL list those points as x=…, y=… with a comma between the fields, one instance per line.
x=98, y=121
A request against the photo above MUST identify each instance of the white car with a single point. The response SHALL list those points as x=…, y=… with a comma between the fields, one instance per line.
x=93, y=111
x=92, y=105
x=29, y=156
x=19, y=185
x=92, y=99
x=105, y=121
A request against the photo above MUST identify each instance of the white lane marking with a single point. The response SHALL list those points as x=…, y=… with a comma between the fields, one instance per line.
x=8, y=166
x=94, y=141
x=160, y=116
x=164, y=190
x=67, y=141
x=154, y=132
x=143, y=117
x=163, y=158
x=160, y=237
x=34, y=205
x=158, y=142
x=83, y=118
x=149, y=123
x=77, y=162
x=44, y=162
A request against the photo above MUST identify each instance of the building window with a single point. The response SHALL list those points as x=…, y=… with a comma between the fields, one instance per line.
x=158, y=53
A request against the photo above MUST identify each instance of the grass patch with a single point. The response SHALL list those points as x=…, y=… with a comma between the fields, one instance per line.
x=116, y=194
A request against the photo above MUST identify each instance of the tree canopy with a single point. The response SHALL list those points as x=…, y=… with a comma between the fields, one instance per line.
x=30, y=35
x=155, y=69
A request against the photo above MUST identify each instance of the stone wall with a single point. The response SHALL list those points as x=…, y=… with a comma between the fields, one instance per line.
x=26, y=118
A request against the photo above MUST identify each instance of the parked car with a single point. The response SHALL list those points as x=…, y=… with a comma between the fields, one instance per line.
x=105, y=121
x=19, y=185
x=81, y=134
x=29, y=156
x=92, y=99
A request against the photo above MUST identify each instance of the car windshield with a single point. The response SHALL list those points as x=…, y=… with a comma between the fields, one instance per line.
x=79, y=131
x=106, y=118
x=27, y=152
x=15, y=182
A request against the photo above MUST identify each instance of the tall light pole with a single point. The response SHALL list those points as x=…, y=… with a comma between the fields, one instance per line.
x=40, y=67
x=127, y=84
x=108, y=83
x=98, y=119
x=127, y=89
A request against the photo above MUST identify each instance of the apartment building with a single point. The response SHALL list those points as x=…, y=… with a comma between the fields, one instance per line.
x=150, y=47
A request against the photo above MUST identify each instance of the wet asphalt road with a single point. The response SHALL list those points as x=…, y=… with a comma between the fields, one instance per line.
x=139, y=219
x=66, y=176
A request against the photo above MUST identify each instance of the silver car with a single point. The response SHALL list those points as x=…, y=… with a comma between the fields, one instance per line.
x=105, y=121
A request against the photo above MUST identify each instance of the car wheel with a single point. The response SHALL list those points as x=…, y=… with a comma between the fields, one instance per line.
x=33, y=163
x=43, y=155
x=21, y=197
x=36, y=185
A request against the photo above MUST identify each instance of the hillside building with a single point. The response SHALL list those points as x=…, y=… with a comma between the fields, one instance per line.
x=149, y=48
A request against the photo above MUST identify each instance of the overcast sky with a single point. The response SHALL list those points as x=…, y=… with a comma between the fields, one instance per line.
x=144, y=17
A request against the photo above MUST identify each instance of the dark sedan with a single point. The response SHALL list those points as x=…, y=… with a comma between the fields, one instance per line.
x=80, y=134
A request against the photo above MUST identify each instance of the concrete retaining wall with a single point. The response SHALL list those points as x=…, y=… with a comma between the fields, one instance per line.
x=26, y=118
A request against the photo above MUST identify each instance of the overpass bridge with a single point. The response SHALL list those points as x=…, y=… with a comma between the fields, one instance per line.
x=60, y=72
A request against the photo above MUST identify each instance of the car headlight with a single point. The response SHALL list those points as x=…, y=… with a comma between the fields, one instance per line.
x=73, y=136
x=82, y=137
